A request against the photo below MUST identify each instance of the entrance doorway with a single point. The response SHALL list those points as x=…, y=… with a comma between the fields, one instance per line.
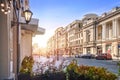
x=99, y=49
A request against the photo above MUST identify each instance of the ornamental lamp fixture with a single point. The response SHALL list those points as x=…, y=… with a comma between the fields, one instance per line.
x=5, y=7
x=28, y=14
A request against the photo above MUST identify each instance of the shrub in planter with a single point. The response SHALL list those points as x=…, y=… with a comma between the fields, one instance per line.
x=72, y=71
x=75, y=72
x=96, y=73
x=27, y=64
x=26, y=68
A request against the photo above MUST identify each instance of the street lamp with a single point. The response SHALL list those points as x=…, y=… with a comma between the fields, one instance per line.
x=27, y=14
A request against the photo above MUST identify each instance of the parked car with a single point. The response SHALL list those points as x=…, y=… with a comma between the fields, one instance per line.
x=78, y=55
x=88, y=56
x=104, y=56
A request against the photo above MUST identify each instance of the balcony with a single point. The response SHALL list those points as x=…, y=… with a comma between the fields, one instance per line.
x=91, y=43
x=88, y=22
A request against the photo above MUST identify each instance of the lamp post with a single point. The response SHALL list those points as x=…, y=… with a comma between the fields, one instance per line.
x=27, y=15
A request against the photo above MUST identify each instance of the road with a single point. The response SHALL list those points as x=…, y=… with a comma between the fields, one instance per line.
x=110, y=65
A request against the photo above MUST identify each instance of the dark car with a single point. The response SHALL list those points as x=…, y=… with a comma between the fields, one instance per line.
x=79, y=55
x=88, y=56
x=104, y=56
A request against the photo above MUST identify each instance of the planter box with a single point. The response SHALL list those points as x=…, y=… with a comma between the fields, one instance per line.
x=47, y=76
x=24, y=76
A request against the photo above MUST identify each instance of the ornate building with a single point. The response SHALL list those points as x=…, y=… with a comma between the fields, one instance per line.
x=94, y=34
x=89, y=33
x=107, y=33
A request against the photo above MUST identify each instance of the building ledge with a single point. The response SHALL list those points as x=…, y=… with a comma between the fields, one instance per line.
x=40, y=31
x=32, y=26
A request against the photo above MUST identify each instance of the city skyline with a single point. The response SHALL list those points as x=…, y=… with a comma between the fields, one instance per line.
x=58, y=13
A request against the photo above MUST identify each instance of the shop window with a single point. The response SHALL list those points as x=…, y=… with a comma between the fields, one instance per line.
x=99, y=49
x=119, y=49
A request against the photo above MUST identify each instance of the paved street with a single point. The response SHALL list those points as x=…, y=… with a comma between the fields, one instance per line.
x=109, y=64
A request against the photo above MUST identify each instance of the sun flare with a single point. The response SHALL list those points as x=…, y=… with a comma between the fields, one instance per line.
x=40, y=40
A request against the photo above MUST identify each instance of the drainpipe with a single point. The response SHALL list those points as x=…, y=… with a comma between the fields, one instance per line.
x=18, y=44
x=16, y=10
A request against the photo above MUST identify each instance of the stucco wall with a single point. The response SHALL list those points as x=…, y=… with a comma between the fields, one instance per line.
x=26, y=44
x=4, y=46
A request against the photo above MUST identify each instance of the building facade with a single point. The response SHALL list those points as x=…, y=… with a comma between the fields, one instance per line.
x=89, y=34
x=73, y=37
x=108, y=29
x=94, y=34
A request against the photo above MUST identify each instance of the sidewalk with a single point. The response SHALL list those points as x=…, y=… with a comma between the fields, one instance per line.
x=116, y=60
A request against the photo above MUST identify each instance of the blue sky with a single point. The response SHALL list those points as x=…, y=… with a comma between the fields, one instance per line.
x=56, y=13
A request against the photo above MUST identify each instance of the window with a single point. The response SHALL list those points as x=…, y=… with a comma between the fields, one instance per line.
x=119, y=26
x=109, y=30
x=88, y=35
x=81, y=41
x=99, y=32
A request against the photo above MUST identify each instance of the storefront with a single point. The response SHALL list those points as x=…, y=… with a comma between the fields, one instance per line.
x=108, y=48
x=88, y=50
x=119, y=49
x=99, y=49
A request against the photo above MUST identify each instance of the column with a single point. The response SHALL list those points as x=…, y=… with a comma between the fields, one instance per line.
x=103, y=31
x=116, y=48
x=104, y=48
x=84, y=36
x=93, y=50
x=84, y=50
x=114, y=27
x=4, y=47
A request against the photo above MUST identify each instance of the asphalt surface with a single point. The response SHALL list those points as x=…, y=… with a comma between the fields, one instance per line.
x=110, y=65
